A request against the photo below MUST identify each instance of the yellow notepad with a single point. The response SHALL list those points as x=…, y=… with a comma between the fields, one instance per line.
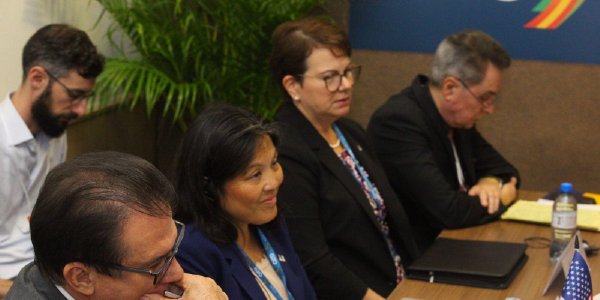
x=541, y=212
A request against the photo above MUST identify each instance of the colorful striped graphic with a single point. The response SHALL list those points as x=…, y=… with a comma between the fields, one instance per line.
x=552, y=13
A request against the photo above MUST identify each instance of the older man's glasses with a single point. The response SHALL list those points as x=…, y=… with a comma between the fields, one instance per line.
x=334, y=81
x=76, y=96
x=160, y=273
x=486, y=99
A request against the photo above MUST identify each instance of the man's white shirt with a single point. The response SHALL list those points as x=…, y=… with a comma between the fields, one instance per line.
x=64, y=292
x=25, y=161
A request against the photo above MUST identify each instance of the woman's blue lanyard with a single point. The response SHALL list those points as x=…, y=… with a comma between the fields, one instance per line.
x=274, y=262
x=364, y=176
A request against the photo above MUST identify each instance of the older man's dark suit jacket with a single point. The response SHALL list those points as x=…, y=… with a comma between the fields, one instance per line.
x=411, y=139
x=331, y=223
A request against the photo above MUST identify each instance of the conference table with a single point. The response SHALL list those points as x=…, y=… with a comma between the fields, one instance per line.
x=531, y=280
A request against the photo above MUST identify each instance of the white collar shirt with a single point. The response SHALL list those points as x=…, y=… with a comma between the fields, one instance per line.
x=64, y=292
x=24, y=163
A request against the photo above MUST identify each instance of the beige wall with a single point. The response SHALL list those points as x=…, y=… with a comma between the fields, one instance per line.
x=22, y=18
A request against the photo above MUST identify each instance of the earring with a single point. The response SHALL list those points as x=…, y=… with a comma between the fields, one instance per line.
x=296, y=98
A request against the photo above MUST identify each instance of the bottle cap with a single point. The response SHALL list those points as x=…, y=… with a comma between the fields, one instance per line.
x=566, y=187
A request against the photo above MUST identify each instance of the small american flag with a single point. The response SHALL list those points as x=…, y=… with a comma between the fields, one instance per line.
x=579, y=282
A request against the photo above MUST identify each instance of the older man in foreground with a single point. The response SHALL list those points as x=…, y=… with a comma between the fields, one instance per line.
x=102, y=229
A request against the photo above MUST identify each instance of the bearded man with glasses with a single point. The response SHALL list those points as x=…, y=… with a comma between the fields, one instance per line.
x=445, y=173
x=102, y=228
x=60, y=66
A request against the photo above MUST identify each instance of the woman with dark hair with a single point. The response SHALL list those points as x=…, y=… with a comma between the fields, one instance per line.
x=346, y=223
x=227, y=177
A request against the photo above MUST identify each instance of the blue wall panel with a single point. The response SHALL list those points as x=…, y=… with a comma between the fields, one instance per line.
x=419, y=26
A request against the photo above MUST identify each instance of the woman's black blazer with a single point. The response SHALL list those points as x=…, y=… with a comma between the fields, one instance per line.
x=331, y=222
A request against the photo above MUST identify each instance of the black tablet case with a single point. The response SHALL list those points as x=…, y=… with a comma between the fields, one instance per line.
x=472, y=263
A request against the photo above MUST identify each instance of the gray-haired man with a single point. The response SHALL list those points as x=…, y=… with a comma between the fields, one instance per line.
x=444, y=171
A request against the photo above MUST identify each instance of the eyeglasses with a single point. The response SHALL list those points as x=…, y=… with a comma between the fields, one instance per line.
x=160, y=273
x=333, y=82
x=76, y=96
x=488, y=98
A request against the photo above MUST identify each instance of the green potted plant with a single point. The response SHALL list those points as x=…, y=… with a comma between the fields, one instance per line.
x=191, y=52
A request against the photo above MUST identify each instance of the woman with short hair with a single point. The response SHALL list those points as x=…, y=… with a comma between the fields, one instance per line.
x=346, y=223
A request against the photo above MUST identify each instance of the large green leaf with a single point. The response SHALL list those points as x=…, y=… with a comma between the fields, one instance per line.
x=193, y=52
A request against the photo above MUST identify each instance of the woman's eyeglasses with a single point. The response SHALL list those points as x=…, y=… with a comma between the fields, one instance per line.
x=334, y=81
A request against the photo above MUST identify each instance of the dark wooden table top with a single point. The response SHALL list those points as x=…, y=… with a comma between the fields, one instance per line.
x=530, y=281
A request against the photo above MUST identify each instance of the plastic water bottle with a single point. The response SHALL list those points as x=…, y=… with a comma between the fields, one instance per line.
x=564, y=220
